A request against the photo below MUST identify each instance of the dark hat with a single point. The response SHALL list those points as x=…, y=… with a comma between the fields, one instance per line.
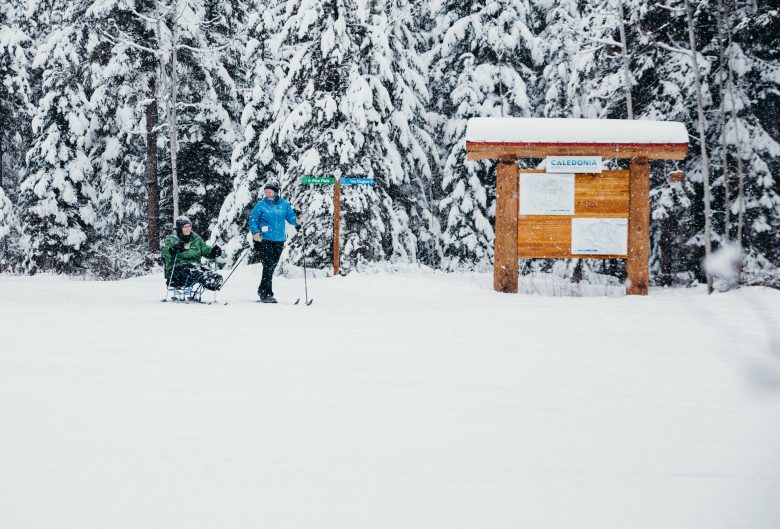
x=181, y=222
x=273, y=184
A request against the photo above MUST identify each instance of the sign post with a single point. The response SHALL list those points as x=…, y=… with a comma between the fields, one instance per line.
x=337, y=182
x=638, y=228
x=507, y=208
x=336, y=226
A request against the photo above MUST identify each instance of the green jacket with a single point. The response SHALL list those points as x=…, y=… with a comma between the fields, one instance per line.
x=195, y=249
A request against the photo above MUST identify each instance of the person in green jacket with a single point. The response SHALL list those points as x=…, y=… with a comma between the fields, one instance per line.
x=183, y=251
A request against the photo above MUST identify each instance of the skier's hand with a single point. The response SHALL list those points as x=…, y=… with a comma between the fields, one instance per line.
x=257, y=237
x=177, y=248
x=216, y=251
x=300, y=218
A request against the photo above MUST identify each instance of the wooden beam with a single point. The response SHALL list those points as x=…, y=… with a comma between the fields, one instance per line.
x=505, y=267
x=652, y=151
x=638, y=228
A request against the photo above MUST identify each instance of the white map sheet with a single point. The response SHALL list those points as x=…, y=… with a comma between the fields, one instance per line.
x=599, y=236
x=546, y=194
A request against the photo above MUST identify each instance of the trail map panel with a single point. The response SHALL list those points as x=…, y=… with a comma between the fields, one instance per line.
x=599, y=236
x=546, y=194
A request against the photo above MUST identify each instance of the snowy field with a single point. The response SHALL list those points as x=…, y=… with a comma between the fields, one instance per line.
x=396, y=401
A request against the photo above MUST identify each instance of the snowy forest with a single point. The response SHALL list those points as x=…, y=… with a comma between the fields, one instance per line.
x=118, y=115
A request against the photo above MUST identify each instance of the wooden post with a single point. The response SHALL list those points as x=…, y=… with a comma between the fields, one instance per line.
x=336, y=225
x=638, y=228
x=505, y=267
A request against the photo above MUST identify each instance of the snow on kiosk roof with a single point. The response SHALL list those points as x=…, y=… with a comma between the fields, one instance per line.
x=539, y=137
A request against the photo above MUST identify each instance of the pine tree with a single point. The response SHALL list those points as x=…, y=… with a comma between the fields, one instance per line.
x=57, y=195
x=752, y=134
x=565, y=66
x=211, y=107
x=121, y=72
x=256, y=156
x=604, y=57
x=15, y=110
x=413, y=150
x=9, y=233
x=482, y=66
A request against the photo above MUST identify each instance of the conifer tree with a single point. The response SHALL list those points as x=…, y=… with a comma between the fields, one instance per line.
x=210, y=106
x=58, y=197
x=256, y=156
x=482, y=66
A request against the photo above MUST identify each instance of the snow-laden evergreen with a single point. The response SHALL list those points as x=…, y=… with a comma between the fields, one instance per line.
x=120, y=73
x=563, y=39
x=410, y=149
x=209, y=106
x=752, y=134
x=16, y=92
x=482, y=65
x=58, y=196
x=9, y=233
x=255, y=157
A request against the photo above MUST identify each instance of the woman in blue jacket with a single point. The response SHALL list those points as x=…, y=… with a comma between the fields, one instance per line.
x=267, y=224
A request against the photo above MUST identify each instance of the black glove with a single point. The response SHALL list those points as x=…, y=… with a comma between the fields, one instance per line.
x=257, y=246
x=216, y=251
x=177, y=248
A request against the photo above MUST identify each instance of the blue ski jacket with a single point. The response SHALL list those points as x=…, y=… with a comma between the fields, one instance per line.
x=268, y=218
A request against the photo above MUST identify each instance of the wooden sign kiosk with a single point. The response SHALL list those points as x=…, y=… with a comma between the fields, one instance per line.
x=610, y=194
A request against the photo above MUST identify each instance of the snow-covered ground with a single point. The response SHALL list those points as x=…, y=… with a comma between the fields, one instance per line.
x=407, y=400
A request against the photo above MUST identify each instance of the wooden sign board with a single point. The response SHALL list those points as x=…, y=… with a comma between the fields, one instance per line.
x=604, y=195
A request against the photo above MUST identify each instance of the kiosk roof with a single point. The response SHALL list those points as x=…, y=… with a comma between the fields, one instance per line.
x=538, y=137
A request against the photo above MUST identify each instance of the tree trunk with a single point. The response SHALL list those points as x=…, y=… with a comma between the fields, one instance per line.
x=705, y=161
x=626, y=62
x=152, y=185
x=722, y=119
x=172, y=110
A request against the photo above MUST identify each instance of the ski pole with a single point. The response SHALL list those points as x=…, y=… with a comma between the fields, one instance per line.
x=168, y=289
x=305, y=282
x=214, y=270
x=238, y=262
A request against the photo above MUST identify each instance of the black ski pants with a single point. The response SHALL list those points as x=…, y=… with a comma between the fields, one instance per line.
x=269, y=253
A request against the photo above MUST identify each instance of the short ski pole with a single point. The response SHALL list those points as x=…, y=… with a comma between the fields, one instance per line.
x=170, y=278
x=238, y=262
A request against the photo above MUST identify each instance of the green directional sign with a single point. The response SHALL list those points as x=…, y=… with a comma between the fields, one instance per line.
x=318, y=180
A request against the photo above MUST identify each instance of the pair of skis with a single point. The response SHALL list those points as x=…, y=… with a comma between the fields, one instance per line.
x=296, y=302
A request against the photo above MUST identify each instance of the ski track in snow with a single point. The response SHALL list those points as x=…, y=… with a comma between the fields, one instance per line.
x=408, y=400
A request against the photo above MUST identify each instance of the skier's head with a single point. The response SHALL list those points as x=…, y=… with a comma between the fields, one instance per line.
x=183, y=226
x=272, y=189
